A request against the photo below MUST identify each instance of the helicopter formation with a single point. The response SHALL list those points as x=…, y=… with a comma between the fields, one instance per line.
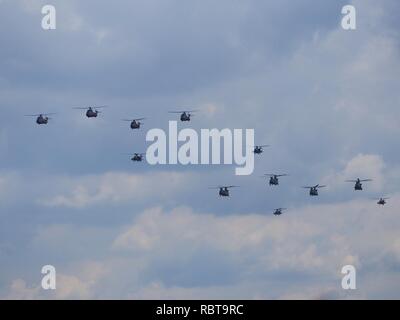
x=224, y=191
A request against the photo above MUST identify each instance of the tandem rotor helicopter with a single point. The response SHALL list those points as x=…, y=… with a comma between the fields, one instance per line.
x=358, y=184
x=135, y=123
x=185, y=115
x=42, y=118
x=224, y=190
x=279, y=211
x=259, y=149
x=382, y=201
x=314, y=190
x=91, y=112
x=274, y=178
x=136, y=157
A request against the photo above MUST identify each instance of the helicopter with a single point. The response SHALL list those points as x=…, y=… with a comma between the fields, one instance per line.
x=274, y=178
x=42, y=118
x=259, y=149
x=314, y=190
x=278, y=211
x=358, y=184
x=135, y=123
x=382, y=201
x=91, y=112
x=136, y=157
x=185, y=115
x=224, y=190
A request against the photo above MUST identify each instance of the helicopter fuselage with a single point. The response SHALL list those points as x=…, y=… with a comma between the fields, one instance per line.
x=273, y=181
x=358, y=186
x=278, y=212
x=137, y=158
x=42, y=120
x=313, y=192
x=381, y=202
x=185, y=117
x=223, y=192
x=135, y=124
x=258, y=150
x=91, y=114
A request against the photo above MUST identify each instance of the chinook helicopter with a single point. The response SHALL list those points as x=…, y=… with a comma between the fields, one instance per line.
x=382, y=201
x=259, y=149
x=279, y=211
x=314, y=190
x=136, y=157
x=358, y=184
x=135, y=123
x=274, y=178
x=41, y=118
x=91, y=112
x=185, y=115
x=224, y=190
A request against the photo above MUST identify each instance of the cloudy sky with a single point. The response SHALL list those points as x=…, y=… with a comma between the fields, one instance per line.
x=325, y=99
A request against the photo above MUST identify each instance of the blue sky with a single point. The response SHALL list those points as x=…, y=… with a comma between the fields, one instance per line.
x=325, y=99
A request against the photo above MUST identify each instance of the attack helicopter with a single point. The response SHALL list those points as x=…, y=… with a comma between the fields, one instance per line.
x=135, y=123
x=314, y=190
x=42, y=118
x=224, y=190
x=274, y=178
x=91, y=112
x=185, y=115
x=358, y=184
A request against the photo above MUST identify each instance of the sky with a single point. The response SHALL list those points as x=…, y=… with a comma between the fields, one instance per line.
x=325, y=100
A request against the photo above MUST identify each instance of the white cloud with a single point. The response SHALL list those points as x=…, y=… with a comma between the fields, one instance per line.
x=363, y=166
x=115, y=187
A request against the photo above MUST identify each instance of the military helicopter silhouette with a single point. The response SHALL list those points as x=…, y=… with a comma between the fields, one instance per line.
x=136, y=157
x=314, y=190
x=259, y=149
x=91, y=112
x=224, y=190
x=42, y=118
x=135, y=123
x=382, y=201
x=358, y=184
x=274, y=178
x=185, y=115
x=279, y=211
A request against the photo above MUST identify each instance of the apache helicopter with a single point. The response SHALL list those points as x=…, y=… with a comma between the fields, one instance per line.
x=314, y=190
x=358, y=184
x=274, y=178
x=42, y=118
x=91, y=112
x=185, y=115
x=382, y=201
x=135, y=123
x=278, y=211
x=136, y=157
x=224, y=190
x=259, y=149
